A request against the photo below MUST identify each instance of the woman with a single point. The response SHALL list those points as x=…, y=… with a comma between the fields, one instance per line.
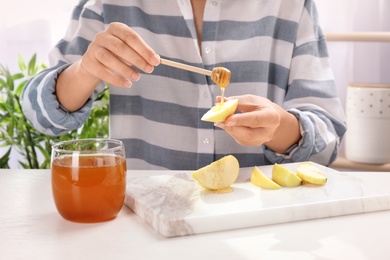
x=288, y=107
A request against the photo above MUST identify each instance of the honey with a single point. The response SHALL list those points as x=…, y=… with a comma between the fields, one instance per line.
x=89, y=188
x=224, y=190
x=221, y=77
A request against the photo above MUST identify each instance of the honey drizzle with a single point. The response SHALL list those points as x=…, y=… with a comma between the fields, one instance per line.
x=222, y=95
x=222, y=191
x=221, y=76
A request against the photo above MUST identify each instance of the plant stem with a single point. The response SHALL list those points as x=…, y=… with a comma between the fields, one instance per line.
x=33, y=162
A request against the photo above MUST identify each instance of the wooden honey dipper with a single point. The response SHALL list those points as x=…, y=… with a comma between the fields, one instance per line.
x=219, y=75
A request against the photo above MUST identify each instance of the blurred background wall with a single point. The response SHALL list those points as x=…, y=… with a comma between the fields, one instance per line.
x=28, y=27
x=361, y=61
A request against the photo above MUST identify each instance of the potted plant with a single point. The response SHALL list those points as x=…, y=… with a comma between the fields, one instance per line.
x=18, y=135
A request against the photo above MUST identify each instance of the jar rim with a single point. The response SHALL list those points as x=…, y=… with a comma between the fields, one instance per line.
x=62, y=145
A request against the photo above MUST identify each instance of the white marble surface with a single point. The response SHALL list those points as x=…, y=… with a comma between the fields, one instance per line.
x=31, y=228
x=174, y=205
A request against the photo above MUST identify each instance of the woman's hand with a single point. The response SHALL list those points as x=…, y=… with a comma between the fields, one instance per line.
x=114, y=53
x=262, y=122
x=110, y=57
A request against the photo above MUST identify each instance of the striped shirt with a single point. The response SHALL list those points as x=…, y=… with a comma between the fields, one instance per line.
x=274, y=49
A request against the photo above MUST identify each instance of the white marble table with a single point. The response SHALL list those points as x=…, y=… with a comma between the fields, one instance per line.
x=31, y=228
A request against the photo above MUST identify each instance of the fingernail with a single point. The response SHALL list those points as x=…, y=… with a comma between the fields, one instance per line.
x=155, y=60
x=230, y=123
x=149, y=68
x=220, y=125
x=135, y=76
x=127, y=84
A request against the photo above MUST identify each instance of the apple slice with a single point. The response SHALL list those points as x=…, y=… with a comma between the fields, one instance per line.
x=220, y=111
x=258, y=178
x=284, y=177
x=219, y=174
x=308, y=172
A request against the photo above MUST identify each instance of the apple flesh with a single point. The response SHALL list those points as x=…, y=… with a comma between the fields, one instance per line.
x=219, y=174
x=308, y=172
x=221, y=111
x=284, y=177
x=259, y=179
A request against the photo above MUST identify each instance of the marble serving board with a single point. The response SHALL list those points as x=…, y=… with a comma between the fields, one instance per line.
x=175, y=205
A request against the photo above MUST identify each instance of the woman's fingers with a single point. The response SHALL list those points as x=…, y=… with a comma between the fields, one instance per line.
x=257, y=122
x=264, y=117
x=247, y=136
x=104, y=65
x=134, y=49
x=114, y=53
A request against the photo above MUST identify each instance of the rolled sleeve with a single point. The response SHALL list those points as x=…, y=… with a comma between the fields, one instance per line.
x=42, y=108
x=301, y=151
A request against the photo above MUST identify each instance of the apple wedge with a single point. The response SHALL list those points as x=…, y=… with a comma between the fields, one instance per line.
x=308, y=172
x=220, y=111
x=219, y=174
x=259, y=179
x=284, y=177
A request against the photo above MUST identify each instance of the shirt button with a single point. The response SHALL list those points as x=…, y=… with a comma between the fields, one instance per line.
x=214, y=3
x=206, y=141
x=207, y=50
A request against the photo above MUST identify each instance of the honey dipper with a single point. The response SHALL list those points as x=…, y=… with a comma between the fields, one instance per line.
x=219, y=75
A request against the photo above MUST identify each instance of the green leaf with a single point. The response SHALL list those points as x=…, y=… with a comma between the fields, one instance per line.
x=2, y=107
x=19, y=89
x=5, y=159
x=2, y=83
x=45, y=152
x=9, y=80
x=24, y=165
x=31, y=65
x=17, y=76
x=10, y=128
x=22, y=64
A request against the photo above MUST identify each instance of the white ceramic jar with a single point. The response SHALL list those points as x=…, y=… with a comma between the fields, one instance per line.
x=368, y=120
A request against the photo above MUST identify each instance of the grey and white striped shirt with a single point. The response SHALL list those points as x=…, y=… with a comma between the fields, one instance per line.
x=274, y=49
